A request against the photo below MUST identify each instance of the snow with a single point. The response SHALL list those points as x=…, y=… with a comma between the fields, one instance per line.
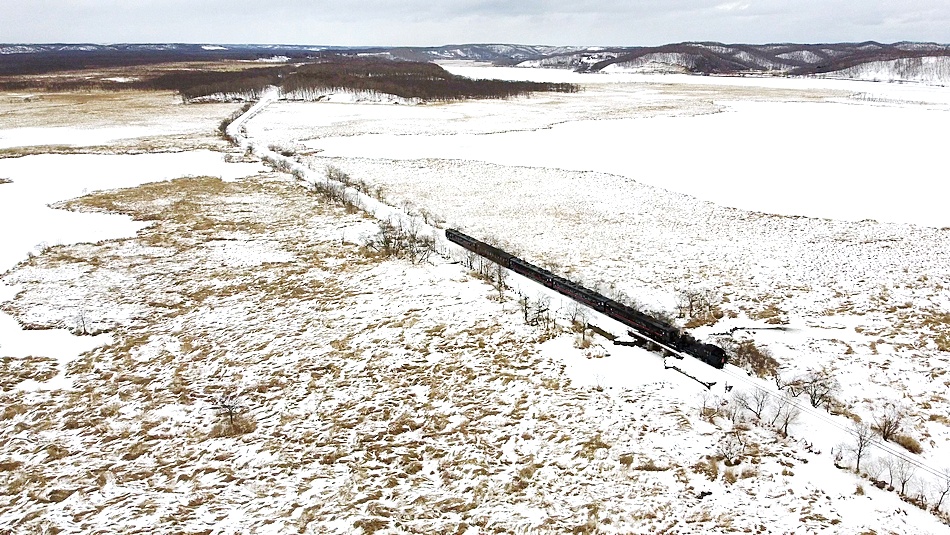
x=930, y=70
x=761, y=62
x=658, y=62
x=851, y=177
x=384, y=389
x=77, y=137
x=274, y=59
x=488, y=182
x=40, y=180
x=802, y=55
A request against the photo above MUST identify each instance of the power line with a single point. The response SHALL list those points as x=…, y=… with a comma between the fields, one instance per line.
x=826, y=418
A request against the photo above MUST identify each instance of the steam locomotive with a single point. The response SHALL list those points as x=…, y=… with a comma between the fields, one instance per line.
x=643, y=324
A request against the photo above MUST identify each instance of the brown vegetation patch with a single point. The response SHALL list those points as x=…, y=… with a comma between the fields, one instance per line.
x=909, y=443
x=14, y=371
x=747, y=355
x=230, y=427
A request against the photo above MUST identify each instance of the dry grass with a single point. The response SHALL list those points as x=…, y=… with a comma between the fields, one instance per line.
x=747, y=355
x=708, y=467
x=206, y=329
x=908, y=443
x=106, y=108
x=651, y=466
x=729, y=476
x=343, y=379
x=231, y=427
x=14, y=371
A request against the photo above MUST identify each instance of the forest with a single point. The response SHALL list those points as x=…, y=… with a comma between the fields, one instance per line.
x=241, y=81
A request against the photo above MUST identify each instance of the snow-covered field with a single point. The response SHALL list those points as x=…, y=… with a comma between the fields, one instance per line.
x=573, y=182
x=115, y=122
x=377, y=394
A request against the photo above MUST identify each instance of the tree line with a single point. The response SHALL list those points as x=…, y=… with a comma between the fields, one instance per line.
x=410, y=80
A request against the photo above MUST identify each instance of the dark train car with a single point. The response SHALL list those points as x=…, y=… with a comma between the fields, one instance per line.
x=479, y=247
x=644, y=324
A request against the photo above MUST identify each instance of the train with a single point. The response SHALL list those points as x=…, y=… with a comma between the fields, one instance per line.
x=642, y=324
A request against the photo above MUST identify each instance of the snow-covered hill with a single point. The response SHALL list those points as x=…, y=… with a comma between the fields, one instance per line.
x=867, y=60
x=928, y=70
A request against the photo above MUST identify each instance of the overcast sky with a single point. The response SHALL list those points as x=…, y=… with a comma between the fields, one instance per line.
x=439, y=22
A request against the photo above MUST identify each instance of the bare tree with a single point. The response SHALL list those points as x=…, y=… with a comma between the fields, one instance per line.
x=862, y=439
x=396, y=239
x=693, y=303
x=887, y=466
x=229, y=406
x=781, y=383
x=903, y=471
x=697, y=303
x=730, y=447
x=781, y=404
x=819, y=385
x=542, y=311
x=943, y=487
x=82, y=327
x=686, y=302
x=732, y=408
x=755, y=402
x=469, y=258
x=525, y=305
x=498, y=281
x=787, y=416
x=577, y=313
x=888, y=423
x=873, y=467
x=708, y=403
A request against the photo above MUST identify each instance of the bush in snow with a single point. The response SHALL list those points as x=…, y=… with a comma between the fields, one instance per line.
x=909, y=443
x=398, y=239
x=888, y=423
x=747, y=355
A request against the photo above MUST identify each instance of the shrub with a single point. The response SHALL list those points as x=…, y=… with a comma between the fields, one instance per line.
x=582, y=342
x=651, y=466
x=746, y=355
x=589, y=447
x=729, y=476
x=238, y=425
x=396, y=239
x=708, y=467
x=909, y=443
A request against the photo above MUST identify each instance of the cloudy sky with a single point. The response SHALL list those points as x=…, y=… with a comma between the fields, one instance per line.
x=438, y=22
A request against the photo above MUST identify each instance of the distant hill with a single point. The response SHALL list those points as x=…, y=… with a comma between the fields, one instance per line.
x=922, y=62
x=782, y=59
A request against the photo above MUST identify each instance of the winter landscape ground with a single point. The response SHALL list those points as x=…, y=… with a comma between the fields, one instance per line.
x=213, y=346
